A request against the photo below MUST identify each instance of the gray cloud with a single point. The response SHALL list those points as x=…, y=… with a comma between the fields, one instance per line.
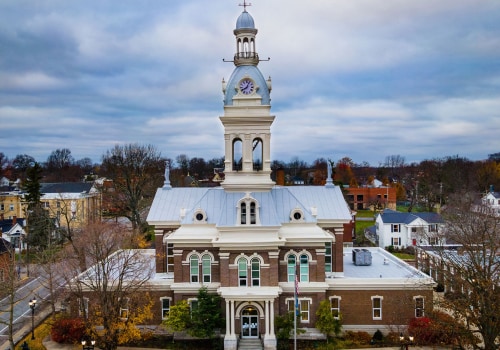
x=363, y=79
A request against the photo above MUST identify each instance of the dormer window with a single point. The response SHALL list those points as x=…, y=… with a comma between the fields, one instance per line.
x=248, y=211
x=297, y=215
x=200, y=216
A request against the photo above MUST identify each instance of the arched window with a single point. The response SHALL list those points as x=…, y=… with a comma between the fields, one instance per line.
x=255, y=264
x=194, y=268
x=243, y=211
x=206, y=268
x=257, y=154
x=304, y=268
x=242, y=272
x=252, y=213
x=248, y=211
x=237, y=154
x=291, y=268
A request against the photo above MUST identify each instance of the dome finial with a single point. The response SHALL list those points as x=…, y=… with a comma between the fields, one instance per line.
x=245, y=4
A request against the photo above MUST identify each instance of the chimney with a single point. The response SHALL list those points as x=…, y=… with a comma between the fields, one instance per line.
x=14, y=220
x=280, y=177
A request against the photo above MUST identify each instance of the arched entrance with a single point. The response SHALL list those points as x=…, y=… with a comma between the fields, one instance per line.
x=249, y=323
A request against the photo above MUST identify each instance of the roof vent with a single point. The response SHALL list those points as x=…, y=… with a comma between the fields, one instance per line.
x=361, y=257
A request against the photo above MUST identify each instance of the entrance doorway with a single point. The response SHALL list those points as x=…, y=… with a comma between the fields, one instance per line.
x=249, y=323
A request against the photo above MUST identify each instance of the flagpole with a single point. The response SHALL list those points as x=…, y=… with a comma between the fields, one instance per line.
x=296, y=304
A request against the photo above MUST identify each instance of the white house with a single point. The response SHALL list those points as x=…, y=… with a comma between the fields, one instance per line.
x=408, y=229
x=492, y=199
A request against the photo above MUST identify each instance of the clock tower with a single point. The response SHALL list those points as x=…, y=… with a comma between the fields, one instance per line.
x=247, y=120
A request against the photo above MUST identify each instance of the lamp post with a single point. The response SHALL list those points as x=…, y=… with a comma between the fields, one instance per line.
x=32, y=304
x=405, y=341
x=88, y=345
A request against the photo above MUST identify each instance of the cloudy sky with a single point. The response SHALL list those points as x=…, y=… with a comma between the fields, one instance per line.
x=357, y=78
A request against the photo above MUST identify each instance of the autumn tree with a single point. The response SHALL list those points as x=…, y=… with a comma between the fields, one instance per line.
x=343, y=171
x=472, y=273
x=116, y=283
x=488, y=175
x=179, y=317
x=137, y=171
x=320, y=172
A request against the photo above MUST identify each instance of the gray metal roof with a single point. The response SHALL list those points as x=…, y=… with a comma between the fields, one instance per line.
x=238, y=74
x=245, y=21
x=395, y=217
x=66, y=187
x=178, y=205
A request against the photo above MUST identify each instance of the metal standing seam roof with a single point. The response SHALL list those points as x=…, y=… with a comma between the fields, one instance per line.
x=238, y=74
x=395, y=217
x=245, y=21
x=220, y=206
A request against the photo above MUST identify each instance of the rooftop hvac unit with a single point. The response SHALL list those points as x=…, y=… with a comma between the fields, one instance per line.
x=361, y=257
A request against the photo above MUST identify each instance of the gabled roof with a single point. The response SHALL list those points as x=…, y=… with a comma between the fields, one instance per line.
x=494, y=194
x=389, y=216
x=66, y=187
x=8, y=224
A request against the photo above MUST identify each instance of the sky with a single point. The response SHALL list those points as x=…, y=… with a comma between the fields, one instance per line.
x=363, y=79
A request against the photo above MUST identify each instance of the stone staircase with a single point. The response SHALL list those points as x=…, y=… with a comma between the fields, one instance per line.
x=250, y=344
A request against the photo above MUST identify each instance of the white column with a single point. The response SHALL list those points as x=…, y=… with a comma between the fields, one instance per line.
x=267, y=317
x=232, y=318
x=228, y=324
x=272, y=317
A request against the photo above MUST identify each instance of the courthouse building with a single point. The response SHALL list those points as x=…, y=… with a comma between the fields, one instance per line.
x=245, y=239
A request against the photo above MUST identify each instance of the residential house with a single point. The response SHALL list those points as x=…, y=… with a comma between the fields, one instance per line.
x=13, y=231
x=403, y=229
x=492, y=200
x=11, y=204
x=72, y=203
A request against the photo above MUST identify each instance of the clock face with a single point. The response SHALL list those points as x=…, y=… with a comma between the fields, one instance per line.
x=246, y=86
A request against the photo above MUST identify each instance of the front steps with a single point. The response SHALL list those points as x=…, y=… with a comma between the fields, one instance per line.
x=250, y=344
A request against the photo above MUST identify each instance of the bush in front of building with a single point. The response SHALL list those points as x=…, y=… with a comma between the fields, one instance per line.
x=68, y=330
x=354, y=339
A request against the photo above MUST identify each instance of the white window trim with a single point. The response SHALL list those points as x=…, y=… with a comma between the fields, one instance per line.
x=374, y=308
x=417, y=308
x=300, y=215
x=252, y=279
x=398, y=226
x=162, y=309
x=247, y=200
x=309, y=302
x=124, y=309
x=339, y=298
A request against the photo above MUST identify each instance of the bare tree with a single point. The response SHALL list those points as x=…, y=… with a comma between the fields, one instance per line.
x=112, y=293
x=472, y=273
x=8, y=288
x=137, y=171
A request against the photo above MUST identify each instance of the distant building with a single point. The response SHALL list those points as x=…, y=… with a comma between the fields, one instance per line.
x=492, y=200
x=369, y=197
x=400, y=230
